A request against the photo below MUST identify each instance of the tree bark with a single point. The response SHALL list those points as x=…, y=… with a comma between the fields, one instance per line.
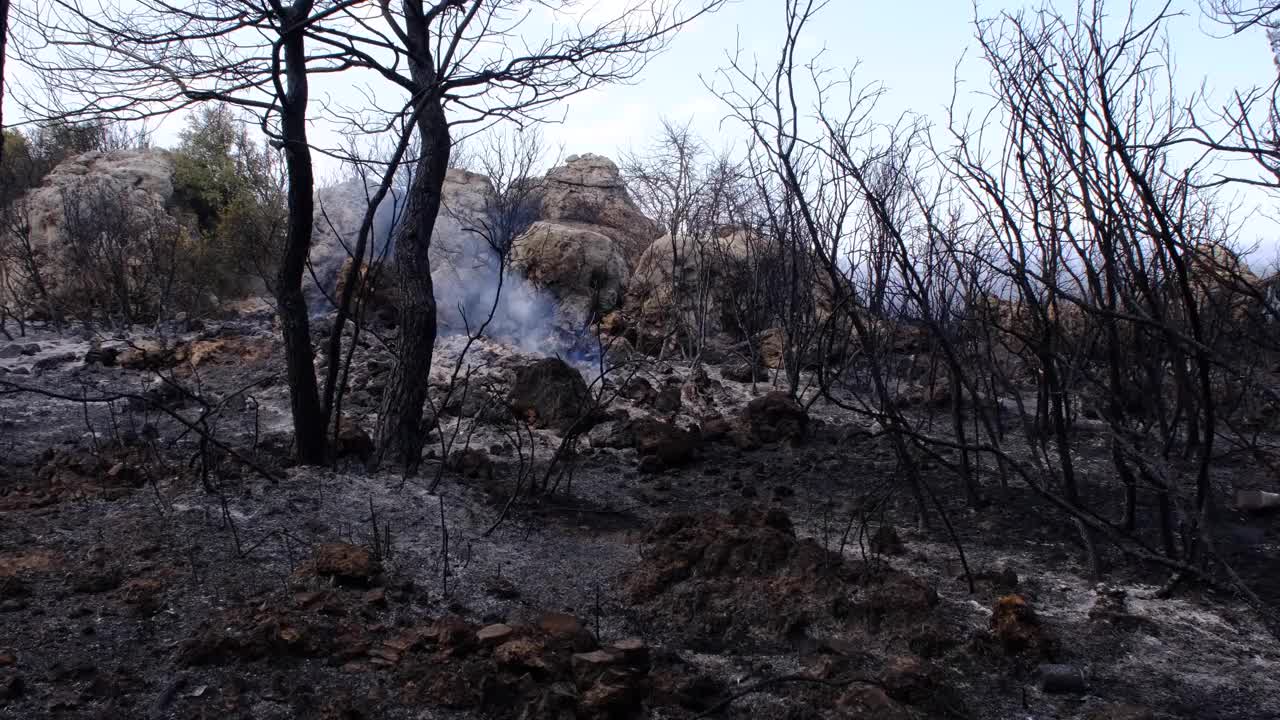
x=4, y=37
x=401, y=435
x=304, y=396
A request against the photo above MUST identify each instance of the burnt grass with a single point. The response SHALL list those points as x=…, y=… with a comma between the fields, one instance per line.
x=784, y=580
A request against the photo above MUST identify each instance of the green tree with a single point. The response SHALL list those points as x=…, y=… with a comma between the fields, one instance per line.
x=232, y=188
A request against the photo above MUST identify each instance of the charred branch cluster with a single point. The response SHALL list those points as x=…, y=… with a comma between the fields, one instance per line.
x=1057, y=273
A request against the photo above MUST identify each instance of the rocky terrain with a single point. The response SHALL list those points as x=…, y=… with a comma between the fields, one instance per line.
x=710, y=548
x=599, y=532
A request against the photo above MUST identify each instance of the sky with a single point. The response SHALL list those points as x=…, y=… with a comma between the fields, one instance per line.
x=915, y=49
x=911, y=47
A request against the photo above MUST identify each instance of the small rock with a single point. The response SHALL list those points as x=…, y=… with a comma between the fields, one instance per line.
x=564, y=627
x=908, y=679
x=866, y=702
x=523, y=653
x=353, y=441
x=885, y=541
x=1256, y=500
x=634, y=651
x=12, y=350
x=610, y=696
x=1006, y=578
x=775, y=416
x=471, y=462
x=592, y=661
x=53, y=361
x=376, y=597
x=638, y=390
x=715, y=427
x=452, y=632
x=501, y=588
x=1015, y=625
x=742, y=372
x=8, y=659
x=494, y=634
x=144, y=593
x=1061, y=679
x=31, y=349
x=668, y=400
x=671, y=445
x=12, y=687
x=345, y=562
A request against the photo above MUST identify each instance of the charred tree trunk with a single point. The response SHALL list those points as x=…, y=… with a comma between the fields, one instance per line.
x=295, y=326
x=400, y=432
x=4, y=36
x=972, y=493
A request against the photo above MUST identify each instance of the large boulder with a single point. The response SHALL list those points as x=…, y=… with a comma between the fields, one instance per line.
x=381, y=292
x=663, y=293
x=583, y=268
x=145, y=177
x=588, y=190
x=550, y=394
x=136, y=185
x=715, y=285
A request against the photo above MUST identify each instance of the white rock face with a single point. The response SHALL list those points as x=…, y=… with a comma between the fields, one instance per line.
x=671, y=270
x=144, y=176
x=588, y=191
x=581, y=266
x=673, y=277
x=140, y=181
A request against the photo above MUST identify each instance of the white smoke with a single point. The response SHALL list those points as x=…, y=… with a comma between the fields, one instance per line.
x=474, y=289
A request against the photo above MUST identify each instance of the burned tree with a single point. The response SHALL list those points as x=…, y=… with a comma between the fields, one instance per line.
x=154, y=59
x=458, y=64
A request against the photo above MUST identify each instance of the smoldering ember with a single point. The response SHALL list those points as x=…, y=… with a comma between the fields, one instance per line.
x=346, y=372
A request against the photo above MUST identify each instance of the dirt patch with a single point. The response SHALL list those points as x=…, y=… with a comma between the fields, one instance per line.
x=745, y=579
x=13, y=564
x=63, y=474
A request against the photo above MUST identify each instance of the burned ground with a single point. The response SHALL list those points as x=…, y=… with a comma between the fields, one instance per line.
x=768, y=572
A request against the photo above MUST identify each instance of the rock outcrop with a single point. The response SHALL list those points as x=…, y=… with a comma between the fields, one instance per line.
x=568, y=268
x=721, y=279
x=136, y=184
x=145, y=177
x=581, y=267
x=663, y=292
x=588, y=190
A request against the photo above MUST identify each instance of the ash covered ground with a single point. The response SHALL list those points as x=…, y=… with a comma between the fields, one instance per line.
x=706, y=548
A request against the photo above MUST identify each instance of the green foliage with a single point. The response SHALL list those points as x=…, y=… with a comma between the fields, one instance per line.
x=232, y=188
x=28, y=158
x=116, y=256
x=206, y=175
x=58, y=141
x=15, y=171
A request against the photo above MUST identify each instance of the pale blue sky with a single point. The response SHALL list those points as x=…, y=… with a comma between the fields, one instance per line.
x=912, y=48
